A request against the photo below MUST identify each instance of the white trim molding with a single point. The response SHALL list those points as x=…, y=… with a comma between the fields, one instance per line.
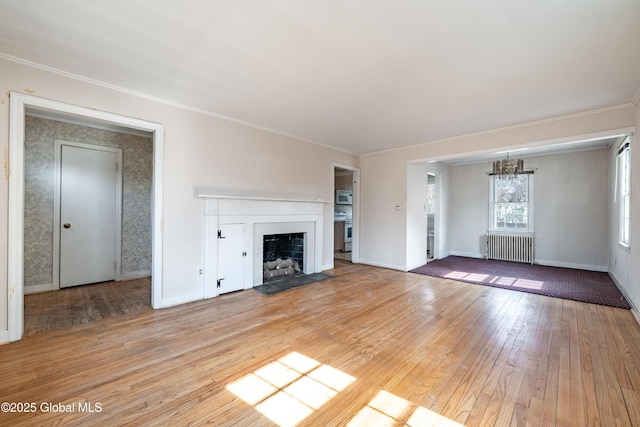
x=588, y=267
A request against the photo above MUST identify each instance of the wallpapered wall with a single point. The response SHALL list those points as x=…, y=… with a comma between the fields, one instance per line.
x=137, y=172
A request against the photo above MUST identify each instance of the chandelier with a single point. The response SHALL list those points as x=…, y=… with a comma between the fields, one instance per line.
x=508, y=168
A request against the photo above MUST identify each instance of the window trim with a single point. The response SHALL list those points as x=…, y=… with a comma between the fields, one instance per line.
x=530, y=206
x=624, y=192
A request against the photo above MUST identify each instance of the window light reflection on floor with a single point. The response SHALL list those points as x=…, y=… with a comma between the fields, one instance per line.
x=460, y=275
x=528, y=284
x=291, y=388
x=387, y=409
x=498, y=280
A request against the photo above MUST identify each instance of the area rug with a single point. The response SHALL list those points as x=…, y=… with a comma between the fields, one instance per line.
x=289, y=283
x=578, y=285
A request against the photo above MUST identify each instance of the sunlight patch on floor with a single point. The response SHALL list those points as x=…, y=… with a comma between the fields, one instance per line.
x=496, y=280
x=529, y=284
x=505, y=281
x=387, y=409
x=456, y=275
x=465, y=275
x=291, y=388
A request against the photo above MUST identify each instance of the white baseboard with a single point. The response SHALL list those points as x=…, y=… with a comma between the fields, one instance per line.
x=589, y=267
x=35, y=289
x=135, y=275
x=467, y=254
x=328, y=266
x=381, y=264
x=181, y=299
x=4, y=337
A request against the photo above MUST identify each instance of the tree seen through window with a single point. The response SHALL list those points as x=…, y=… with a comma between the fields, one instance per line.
x=511, y=203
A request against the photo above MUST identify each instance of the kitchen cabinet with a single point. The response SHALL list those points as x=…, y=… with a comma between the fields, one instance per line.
x=344, y=181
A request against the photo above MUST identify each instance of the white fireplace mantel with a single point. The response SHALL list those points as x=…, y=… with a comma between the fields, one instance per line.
x=260, y=216
x=204, y=195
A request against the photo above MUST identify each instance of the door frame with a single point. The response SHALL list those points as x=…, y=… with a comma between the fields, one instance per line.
x=18, y=105
x=355, y=241
x=57, y=204
x=436, y=212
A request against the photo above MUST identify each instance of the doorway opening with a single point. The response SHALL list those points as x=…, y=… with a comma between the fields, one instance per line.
x=433, y=217
x=22, y=105
x=343, y=214
x=431, y=210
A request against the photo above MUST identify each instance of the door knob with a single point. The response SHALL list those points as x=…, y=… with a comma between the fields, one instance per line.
x=67, y=225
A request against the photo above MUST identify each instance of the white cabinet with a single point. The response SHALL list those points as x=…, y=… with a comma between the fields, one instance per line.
x=232, y=258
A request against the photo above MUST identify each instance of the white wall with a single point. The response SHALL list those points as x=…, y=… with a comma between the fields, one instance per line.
x=570, y=209
x=200, y=150
x=573, y=183
x=383, y=184
x=469, y=213
x=416, y=215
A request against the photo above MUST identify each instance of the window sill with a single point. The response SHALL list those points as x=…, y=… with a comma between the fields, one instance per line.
x=624, y=245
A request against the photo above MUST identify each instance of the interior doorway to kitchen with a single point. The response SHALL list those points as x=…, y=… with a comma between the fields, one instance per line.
x=343, y=213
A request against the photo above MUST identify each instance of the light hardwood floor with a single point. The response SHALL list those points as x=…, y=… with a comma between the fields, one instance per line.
x=369, y=347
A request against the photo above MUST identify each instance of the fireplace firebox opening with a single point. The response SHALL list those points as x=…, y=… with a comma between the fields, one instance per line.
x=283, y=256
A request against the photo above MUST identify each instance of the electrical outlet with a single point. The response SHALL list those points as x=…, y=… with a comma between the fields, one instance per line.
x=199, y=272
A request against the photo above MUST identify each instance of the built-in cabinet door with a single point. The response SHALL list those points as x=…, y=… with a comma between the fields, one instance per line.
x=232, y=258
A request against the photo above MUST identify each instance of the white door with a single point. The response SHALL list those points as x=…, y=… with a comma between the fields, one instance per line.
x=88, y=191
x=231, y=258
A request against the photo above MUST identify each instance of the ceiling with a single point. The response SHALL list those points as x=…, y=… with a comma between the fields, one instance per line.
x=358, y=75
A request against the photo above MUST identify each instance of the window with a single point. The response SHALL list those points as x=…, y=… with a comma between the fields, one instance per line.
x=624, y=170
x=511, y=206
x=431, y=194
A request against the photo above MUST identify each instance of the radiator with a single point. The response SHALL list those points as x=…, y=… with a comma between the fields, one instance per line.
x=506, y=247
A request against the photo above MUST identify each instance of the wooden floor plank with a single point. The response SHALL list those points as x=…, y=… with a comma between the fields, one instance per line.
x=416, y=348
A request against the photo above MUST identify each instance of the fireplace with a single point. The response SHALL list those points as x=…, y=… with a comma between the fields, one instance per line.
x=262, y=218
x=282, y=256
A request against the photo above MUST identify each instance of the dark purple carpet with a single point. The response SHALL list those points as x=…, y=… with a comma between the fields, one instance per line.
x=578, y=285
